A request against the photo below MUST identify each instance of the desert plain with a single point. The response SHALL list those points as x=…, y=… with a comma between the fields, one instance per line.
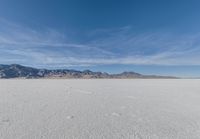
x=100, y=109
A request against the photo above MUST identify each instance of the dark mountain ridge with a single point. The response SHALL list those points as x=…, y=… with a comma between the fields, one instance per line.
x=19, y=71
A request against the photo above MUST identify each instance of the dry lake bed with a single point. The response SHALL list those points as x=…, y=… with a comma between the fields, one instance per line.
x=100, y=109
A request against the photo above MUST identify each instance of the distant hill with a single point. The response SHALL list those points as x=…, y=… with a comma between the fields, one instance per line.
x=19, y=71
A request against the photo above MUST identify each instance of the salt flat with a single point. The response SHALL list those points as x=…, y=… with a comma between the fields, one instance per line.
x=100, y=109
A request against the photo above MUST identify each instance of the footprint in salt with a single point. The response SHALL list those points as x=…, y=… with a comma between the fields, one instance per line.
x=70, y=117
x=116, y=114
x=5, y=121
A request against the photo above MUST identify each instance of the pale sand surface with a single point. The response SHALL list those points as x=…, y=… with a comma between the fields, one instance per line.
x=100, y=109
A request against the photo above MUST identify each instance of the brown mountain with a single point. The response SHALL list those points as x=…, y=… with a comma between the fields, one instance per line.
x=19, y=71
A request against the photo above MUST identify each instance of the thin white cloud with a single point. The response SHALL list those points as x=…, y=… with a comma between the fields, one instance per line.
x=23, y=45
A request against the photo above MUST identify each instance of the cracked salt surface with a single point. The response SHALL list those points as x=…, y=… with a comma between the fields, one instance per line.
x=100, y=109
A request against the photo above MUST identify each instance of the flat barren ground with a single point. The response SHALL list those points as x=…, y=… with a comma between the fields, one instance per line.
x=100, y=109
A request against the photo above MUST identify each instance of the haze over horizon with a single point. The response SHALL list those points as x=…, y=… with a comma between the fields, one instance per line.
x=149, y=37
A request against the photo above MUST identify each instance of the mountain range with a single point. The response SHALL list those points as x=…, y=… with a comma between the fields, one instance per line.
x=19, y=71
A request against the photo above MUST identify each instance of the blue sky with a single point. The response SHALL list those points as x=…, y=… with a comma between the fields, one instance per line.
x=150, y=37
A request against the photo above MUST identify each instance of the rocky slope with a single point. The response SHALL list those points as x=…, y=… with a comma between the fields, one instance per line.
x=19, y=71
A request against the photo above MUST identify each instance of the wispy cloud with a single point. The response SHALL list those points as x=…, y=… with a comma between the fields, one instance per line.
x=50, y=48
